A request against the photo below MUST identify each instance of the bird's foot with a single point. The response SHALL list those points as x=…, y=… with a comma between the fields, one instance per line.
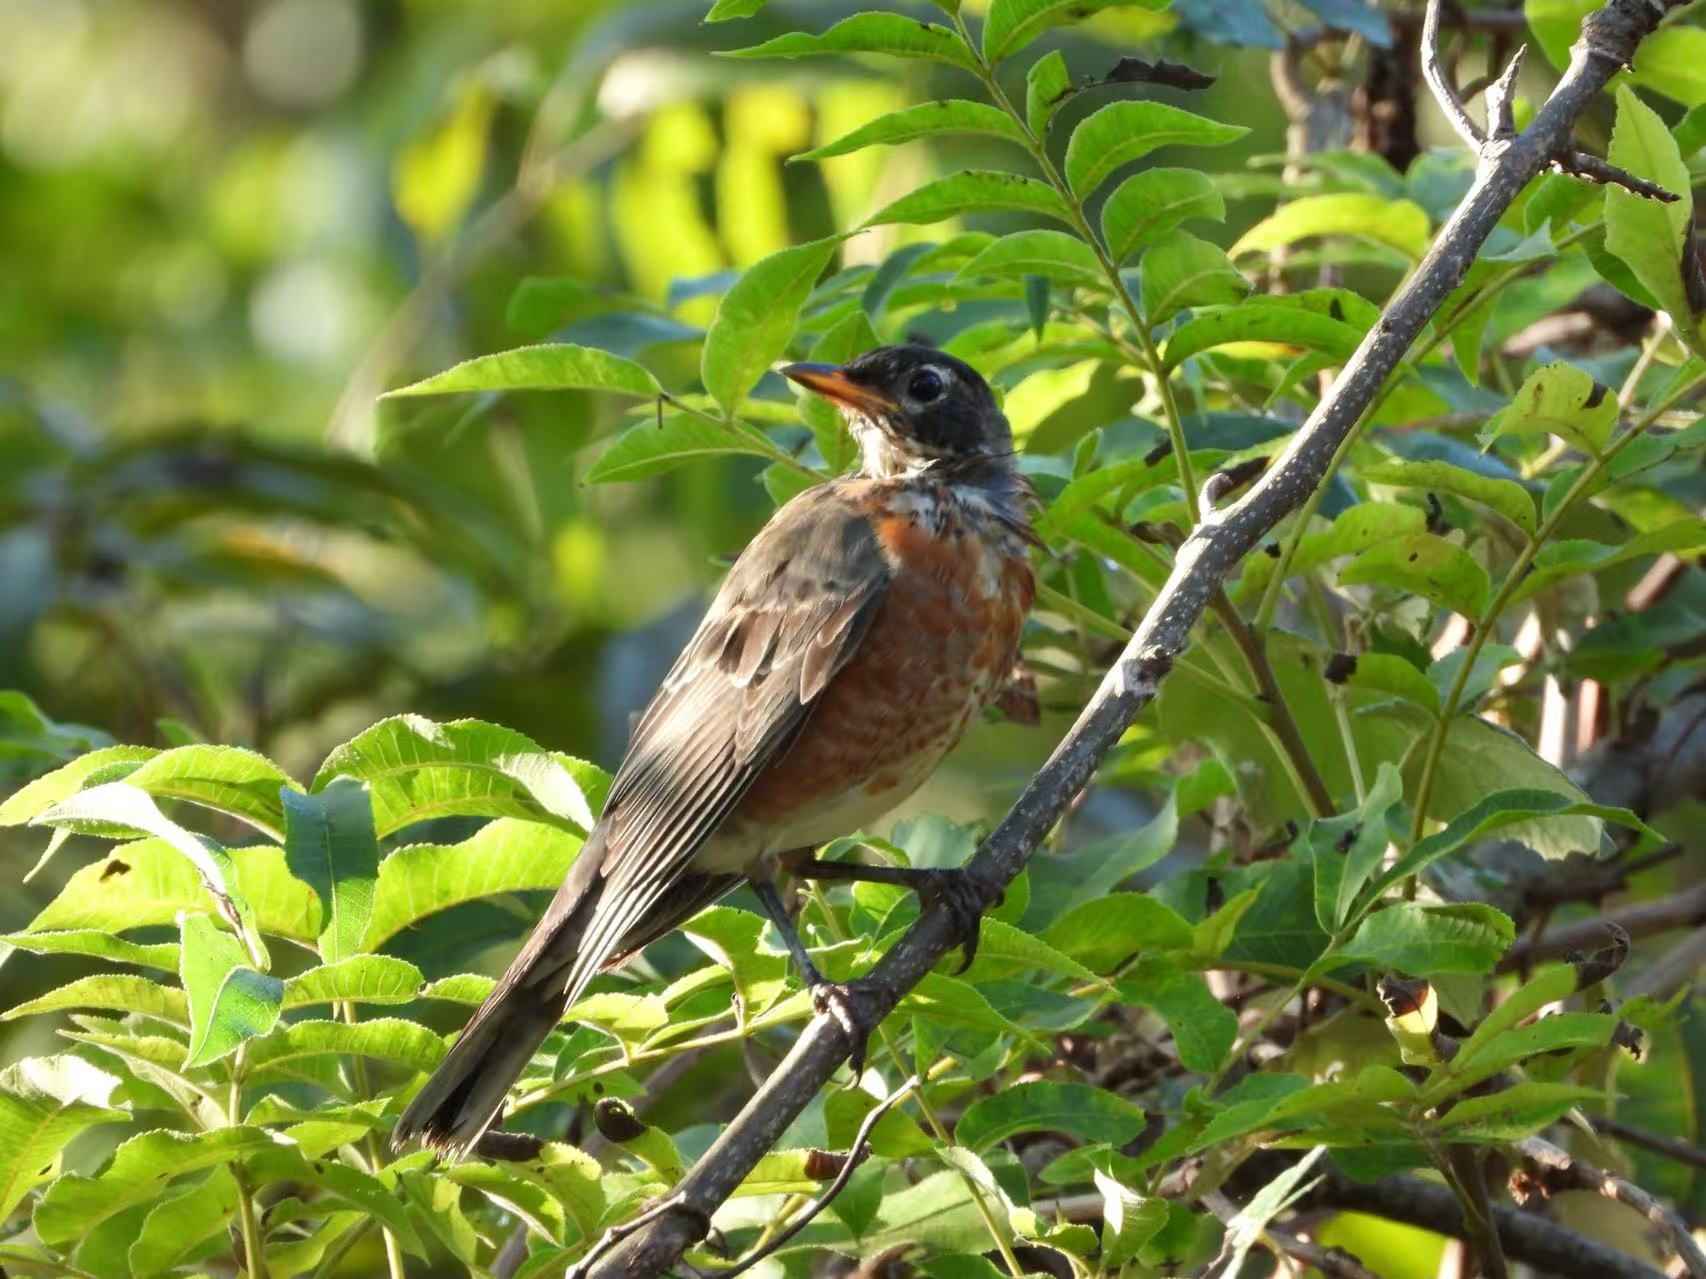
x=850, y=1006
x=953, y=889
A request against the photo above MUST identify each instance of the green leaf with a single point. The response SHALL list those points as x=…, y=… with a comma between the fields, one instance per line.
x=1153, y=202
x=436, y=177
x=848, y=337
x=649, y=449
x=1561, y=400
x=1182, y=271
x=546, y=367
x=108, y=764
x=758, y=314
x=1124, y=131
x=74, y=1205
x=417, y=769
x=229, y=1002
x=1424, y=941
x=373, y=1196
x=1130, y=1220
x=1078, y=1110
x=360, y=979
x=1065, y=880
x=120, y=806
x=97, y=945
x=973, y=191
x=1398, y=223
x=148, y=882
x=1013, y=24
x=723, y=10
x=1365, y=525
x=1203, y=1028
x=1525, y=808
x=1672, y=61
x=330, y=846
x=1650, y=236
x=44, y=1103
x=504, y=856
x=1001, y=941
x=1102, y=932
x=1515, y=1112
x=1394, y=675
x=1260, y=320
x=1573, y=557
x=1353, y=846
x=1507, y=497
x=1054, y=255
x=183, y=1223
x=869, y=33
x=1424, y=564
x=385, y=1038
x=947, y=115
x=1046, y=83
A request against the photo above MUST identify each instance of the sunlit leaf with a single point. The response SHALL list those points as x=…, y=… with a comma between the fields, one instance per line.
x=1046, y=83
x=1507, y=497
x=97, y=945
x=417, y=769
x=868, y=33
x=1054, y=255
x=1260, y=321
x=361, y=979
x=44, y=1103
x=1424, y=941
x=1561, y=400
x=946, y=115
x=504, y=856
x=1182, y=271
x=973, y=191
x=1013, y=24
x=330, y=846
x=649, y=449
x=1399, y=224
x=385, y=1038
x=436, y=177
x=1076, y=1109
x=1650, y=236
x=75, y=1205
x=549, y=367
x=184, y=1221
x=1365, y=525
x=1125, y=131
x=229, y=1002
x=1424, y=564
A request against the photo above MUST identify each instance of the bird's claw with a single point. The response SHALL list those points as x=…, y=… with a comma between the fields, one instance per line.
x=846, y=1004
x=964, y=904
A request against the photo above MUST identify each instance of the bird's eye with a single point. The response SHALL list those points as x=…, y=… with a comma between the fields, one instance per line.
x=925, y=386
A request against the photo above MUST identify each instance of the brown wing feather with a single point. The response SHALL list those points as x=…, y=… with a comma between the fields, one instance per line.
x=791, y=612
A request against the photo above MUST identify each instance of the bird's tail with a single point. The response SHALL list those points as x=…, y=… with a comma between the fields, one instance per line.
x=460, y=1100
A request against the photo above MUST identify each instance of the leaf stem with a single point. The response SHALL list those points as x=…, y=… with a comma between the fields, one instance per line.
x=376, y=1160
x=254, y=1254
x=1116, y=282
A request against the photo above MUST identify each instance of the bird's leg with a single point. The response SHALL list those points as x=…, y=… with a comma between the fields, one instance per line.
x=841, y=1002
x=952, y=887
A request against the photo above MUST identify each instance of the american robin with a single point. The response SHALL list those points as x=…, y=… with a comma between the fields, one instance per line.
x=850, y=646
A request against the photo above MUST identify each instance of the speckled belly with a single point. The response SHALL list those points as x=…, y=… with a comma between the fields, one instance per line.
x=941, y=646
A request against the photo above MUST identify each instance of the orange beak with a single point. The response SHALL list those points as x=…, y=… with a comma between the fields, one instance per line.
x=832, y=382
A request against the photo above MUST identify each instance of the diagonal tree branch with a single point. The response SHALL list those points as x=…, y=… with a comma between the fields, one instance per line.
x=1608, y=41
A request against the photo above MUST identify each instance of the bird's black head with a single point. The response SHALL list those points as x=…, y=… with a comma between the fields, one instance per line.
x=910, y=407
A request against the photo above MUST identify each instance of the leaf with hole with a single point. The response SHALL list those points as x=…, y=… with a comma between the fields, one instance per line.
x=1397, y=224
x=1560, y=400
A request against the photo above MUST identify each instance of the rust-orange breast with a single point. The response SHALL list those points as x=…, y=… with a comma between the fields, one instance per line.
x=939, y=648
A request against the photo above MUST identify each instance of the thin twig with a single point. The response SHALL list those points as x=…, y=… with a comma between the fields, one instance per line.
x=1209, y=555
x=1686, y=909
x=804, y=1218
x=1555, y=1169
x=1669, y=1147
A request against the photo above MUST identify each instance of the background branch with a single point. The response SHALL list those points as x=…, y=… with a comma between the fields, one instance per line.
x=1608, y=41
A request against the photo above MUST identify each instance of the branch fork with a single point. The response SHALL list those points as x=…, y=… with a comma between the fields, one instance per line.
x=1600, y=40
